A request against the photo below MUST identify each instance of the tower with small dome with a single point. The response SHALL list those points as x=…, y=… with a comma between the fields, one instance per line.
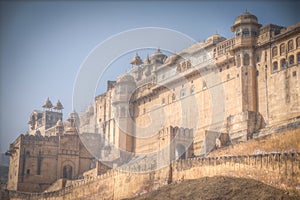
x=246, y=31
x=123, y=136
x=42, y=120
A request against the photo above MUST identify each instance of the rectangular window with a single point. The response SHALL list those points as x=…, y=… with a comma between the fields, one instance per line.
x=294, y=73
x=266, y=55
x=257, y=58
x=39, y=162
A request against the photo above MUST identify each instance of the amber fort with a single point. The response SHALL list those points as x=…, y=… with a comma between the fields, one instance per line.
x=224, y=106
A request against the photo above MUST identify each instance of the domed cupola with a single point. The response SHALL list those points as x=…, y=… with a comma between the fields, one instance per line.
x=74, y=123
x=59, y=128
x=158, y=57
x=172, y=59
x=59, y=123
x=136, y=60
x=214, y=39
x=125, y=78
x=246, y=17
x=246, y=25
x=74, y=119
x=90, y=109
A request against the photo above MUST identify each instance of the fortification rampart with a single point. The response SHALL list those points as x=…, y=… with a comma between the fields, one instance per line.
x=280, y=170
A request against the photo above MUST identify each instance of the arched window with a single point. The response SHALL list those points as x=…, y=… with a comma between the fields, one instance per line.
x=282, y=63
x=282, y=49
x=245, y=32
x=291, y=59
x=274, y=51
x=68, y=172
x=298, y=57
x=290, y=45
x=182, y=93
x=298, y=42
x=275, y=66
x=246, y=61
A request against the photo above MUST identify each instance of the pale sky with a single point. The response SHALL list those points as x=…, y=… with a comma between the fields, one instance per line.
x=44, y=43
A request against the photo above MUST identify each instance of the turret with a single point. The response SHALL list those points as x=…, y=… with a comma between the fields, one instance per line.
x=158, y=57
x=125, y=86
x=73, y=123
x=136, y=60
x=58, y=106
x=241, y=126
x=59, y=128
x=48, y=104
x=46, y=119
x=246, y=28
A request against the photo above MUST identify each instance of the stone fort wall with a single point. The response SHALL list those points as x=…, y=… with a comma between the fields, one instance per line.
x=280, y=170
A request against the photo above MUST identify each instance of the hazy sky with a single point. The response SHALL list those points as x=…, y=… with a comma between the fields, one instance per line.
x=43, y=43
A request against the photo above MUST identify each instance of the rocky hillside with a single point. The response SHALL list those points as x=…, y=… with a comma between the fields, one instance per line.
x=218, y=188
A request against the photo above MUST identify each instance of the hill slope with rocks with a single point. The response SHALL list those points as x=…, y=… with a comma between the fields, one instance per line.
x=219, y=188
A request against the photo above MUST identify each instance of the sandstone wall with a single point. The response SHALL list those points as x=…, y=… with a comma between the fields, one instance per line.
x=276, y=169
